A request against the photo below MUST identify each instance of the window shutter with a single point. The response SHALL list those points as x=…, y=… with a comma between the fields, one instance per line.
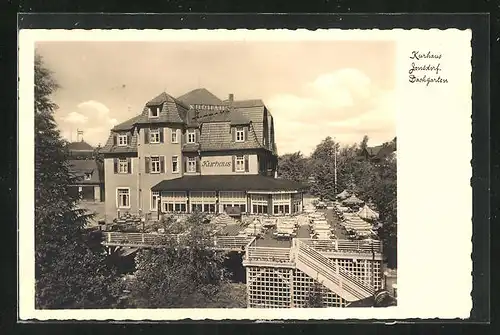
x=161, y=134
x=197, y=164
x=197, y=136
x=246, y=163
x=233, y=134
x=115, y=163
x=162, y=164
x=185, y=164
x=234, y=167
x=146, y=165
x=129, y=167
x=246, y=133
x=129, y=139
x=146, y=135
x=114, y=139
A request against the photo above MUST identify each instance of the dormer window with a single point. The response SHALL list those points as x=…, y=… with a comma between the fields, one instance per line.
x=154, y=111
x=240, y=134
x=191, y=135
x=122, y=140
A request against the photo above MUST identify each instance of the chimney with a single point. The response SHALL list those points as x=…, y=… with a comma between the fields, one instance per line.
x=231, y=98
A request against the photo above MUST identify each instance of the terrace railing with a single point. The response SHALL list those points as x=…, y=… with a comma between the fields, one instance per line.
x=268, y=256
x=332, y=245
x=233, y=243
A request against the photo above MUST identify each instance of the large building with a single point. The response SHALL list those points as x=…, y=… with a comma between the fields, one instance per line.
x=196, y=152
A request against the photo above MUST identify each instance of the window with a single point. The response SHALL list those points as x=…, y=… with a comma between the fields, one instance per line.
x=203, y=201
x=155, y=164
x=88, y=176
x=233, y=199
x=191, y=136
x=191, y=164
x=122, y=165
x=240, y=134
x=123, y=198
x=173, y=136
x=281, y=203
x=259, y=204
x=154, y=111
x=155, y=196
x=154, y=135
x=122, y=140
x=260, y=209
x=175, y=164
x=240, y=163
x=174, y=201
x=281, y=209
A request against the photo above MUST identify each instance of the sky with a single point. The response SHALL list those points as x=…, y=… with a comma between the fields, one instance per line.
x=314, y=89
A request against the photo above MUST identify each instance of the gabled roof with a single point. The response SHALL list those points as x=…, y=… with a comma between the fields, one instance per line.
x=213, y=116
x=233, y=117
x=81, y=167
x=109, y=147
x=246, y=103
x=200, y=96
x=127, y=125
x=217, y=136
x=80, y=146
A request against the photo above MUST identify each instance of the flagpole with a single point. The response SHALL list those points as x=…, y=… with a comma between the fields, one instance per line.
x=335, y=166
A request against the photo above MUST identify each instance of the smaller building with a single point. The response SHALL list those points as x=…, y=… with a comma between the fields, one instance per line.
x=87, y=170
x=89, y=181
x=81, y=150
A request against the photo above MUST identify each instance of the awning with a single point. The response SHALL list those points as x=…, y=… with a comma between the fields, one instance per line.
x=228, y=183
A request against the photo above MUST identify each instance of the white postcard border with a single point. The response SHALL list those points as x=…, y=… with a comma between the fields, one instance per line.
x=434, y=193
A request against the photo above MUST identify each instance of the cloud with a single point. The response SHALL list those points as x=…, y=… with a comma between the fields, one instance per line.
x=94, y=106
x=93, y=118
x=75, y=117
x=344, y=104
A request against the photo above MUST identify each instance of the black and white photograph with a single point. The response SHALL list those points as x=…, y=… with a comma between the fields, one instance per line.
x=239, y=173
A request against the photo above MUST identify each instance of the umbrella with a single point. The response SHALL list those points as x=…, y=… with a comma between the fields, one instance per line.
x=343, y=195
x=352, y=200
x=367, y=213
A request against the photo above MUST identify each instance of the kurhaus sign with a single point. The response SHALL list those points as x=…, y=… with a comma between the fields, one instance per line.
x=208, y=164
x=216, y=165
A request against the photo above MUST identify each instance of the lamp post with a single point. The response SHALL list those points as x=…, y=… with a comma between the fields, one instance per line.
x=335, y=166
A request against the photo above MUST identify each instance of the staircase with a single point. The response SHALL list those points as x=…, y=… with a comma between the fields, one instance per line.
x=332, y=276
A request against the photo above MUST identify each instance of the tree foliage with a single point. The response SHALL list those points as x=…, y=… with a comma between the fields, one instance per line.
x=181, y=273
x=314, y=298
x=293, y=167
x=68, y=273
x=323, y=169
x=373, y=181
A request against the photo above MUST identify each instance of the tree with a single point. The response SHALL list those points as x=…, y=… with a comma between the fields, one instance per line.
x=385, y=199
x=293, y=167
x=182, y=272
x=323, y=169
x=364, y=143
x=68, y=273
x=314, y=297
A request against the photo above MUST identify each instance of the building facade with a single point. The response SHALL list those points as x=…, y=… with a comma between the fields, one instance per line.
x=196, y=153
x=87, y=170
